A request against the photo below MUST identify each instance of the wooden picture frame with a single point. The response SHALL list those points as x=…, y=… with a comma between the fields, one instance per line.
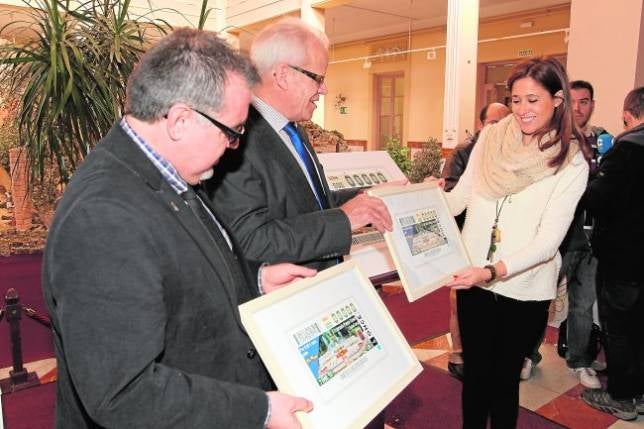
x=331, y=340
x=425, y=243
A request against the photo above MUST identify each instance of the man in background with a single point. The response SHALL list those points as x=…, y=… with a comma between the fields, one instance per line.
x=578, y=265
x=615, y=200
x=457, y=161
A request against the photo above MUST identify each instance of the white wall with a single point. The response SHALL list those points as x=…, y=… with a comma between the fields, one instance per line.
x=606, y=39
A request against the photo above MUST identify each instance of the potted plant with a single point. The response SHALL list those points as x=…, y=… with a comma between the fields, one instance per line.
x=71, y=75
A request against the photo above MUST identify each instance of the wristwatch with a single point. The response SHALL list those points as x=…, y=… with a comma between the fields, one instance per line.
x=492, y=273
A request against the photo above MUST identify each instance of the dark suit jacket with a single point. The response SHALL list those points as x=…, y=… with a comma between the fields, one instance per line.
x=263, y=195
x=144, y=305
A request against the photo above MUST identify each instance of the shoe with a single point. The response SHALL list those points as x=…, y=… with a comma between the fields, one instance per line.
x=587, y=377
x=526, y=371
x=639, y=404
x=456, y=369
x=598, y=366
x=601, y=400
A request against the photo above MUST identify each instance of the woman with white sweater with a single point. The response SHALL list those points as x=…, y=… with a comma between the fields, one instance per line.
x=521, y=187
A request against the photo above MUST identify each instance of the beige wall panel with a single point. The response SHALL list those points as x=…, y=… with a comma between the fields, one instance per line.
x=604, y=49
x=240, y=13
x=424, y=79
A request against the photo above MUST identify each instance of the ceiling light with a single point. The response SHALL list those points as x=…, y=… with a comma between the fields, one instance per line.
x=366, y=64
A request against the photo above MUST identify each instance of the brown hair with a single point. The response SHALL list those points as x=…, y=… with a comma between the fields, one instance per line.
x=550, y=74
x=634, y=102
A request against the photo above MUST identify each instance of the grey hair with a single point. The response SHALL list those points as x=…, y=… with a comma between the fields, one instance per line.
x=188, y=66
x=285, y=41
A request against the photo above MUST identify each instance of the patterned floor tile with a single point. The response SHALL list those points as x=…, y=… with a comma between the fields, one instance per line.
x=534, y=396
x=440, y=361
x=552, y=373
x=428, y=356
x=437, y=343
x=42, y=368
x=571, y=411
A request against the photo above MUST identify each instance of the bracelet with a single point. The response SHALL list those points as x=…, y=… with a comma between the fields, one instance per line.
x=492, y=272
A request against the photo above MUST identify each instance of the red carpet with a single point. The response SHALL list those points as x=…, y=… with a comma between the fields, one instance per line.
x=433, y=400
x=23, y=274
x=425, y=318
x=31, y=408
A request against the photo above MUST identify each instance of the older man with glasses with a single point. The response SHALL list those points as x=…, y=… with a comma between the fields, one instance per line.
x=272, y=191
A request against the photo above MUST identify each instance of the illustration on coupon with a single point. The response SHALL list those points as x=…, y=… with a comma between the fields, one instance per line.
x=335, y=343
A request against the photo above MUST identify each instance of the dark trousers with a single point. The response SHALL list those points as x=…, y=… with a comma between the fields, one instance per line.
x=497, y=333
x=580, y=268
x=621, y=312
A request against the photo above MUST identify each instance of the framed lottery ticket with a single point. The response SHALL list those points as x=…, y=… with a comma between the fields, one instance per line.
x=425, y=243
x=331, y=340
x=345, y=170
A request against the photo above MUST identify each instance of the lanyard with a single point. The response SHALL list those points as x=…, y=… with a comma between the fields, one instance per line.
x=495, y=235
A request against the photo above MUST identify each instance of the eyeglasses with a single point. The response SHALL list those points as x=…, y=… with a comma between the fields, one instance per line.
x=319, y=79
x=232, y=135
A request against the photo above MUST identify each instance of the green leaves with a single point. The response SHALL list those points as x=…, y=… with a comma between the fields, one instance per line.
x=203, y=14
x=399, y=153
x=70, y=77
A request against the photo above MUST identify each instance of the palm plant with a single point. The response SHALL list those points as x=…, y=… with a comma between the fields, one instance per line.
x=70, y=77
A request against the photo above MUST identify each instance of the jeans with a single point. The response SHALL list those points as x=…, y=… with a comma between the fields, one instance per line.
x=580, y=269
x=497, y=333
x=621, y=312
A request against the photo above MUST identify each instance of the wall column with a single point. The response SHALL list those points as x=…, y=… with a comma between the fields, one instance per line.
x=606, y=48
x=460, y=70
x=315, y=18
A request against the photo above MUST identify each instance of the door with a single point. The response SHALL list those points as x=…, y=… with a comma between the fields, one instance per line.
x=389, y=102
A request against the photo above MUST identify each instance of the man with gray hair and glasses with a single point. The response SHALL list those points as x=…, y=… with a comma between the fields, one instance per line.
x=141, y=279
x=272, y=191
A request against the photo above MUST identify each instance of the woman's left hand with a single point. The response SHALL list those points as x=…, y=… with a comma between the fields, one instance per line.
x=470, y=277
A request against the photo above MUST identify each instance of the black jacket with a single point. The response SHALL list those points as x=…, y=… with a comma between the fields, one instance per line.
x=615, y=200
x=456, y=163
x=261, y=192
x=577, y=237
x=143, y=304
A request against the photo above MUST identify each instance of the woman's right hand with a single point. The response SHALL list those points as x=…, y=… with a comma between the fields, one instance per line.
x=431, y=179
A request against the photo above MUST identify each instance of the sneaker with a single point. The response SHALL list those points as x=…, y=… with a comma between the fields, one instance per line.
x=601, y=400
x=639, y=404
x=598, y=366
x=526, y=371
x=587, y=377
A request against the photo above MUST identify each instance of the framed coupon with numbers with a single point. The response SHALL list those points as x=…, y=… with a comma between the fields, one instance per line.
x=425, y=243
x=330, y=339
x=350, y=170
x=345, y=170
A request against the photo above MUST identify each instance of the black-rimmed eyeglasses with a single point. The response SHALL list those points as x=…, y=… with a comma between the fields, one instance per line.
x=232, y=135
x=318, y=78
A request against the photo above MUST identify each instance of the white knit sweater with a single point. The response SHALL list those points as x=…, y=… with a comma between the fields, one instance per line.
x=533, y=223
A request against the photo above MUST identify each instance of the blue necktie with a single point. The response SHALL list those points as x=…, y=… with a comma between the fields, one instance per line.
x=308, y=163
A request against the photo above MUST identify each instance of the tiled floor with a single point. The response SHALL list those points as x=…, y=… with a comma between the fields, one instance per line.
x=552, y=392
